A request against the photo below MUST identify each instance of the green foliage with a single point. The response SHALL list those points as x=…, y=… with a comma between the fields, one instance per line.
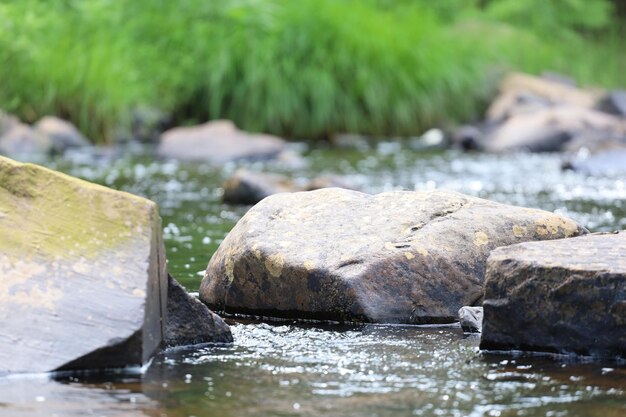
x=305, y=68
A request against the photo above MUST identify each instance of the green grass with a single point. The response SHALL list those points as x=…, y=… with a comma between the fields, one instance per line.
x=305, y=68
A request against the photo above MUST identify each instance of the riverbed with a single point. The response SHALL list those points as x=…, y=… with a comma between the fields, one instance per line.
x=309, y=369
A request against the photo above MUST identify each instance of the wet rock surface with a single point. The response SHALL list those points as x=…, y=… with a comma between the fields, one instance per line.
x=82, y=273
x=189, y=322
x=218, y=142
x=397, y=257
x=471, y=319
x=564, y=296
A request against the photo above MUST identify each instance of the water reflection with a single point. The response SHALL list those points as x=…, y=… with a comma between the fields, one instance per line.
x=305, y=370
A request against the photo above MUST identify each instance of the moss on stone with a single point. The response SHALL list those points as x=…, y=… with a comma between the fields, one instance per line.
x=48, y=214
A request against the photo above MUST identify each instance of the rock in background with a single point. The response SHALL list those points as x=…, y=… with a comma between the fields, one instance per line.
x=246, y=187
x=82, y=273
x=563, y=296
x=398, y=257
x=218, y=142
x=545, y=114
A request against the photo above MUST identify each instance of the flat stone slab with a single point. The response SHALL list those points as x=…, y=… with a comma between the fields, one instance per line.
x=563, y=296
x=218, y=142
x=83, y=276
x=397, y=257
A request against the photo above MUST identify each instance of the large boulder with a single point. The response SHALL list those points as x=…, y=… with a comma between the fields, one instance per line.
x=189, y=322
x=61, y=133
x=564, y=296
x=82, y=273
x=396, y=257
x=218, y=142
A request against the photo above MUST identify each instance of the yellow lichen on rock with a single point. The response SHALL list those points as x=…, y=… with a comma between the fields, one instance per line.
x=519, y=231
x=274, y=264
x=409, y=255
x=309, y=265
x=481, y=239
x=554, y=224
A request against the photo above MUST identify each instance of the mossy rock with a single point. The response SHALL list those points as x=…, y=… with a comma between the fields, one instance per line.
x=83, y=276
x=397, y=257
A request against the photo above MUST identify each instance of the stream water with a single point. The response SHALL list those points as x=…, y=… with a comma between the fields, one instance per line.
x=287, y=368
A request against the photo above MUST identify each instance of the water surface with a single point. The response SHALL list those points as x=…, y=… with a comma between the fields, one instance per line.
x=285, y=369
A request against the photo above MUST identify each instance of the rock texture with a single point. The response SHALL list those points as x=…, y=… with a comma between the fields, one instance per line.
x=565, y=296
x=189, y=322
x=399, y=257
x=246, y=187
x=218, y=142
x=82, y=273
x=471, y=319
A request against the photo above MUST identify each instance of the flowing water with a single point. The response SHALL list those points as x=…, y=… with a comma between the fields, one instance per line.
x=299, y=369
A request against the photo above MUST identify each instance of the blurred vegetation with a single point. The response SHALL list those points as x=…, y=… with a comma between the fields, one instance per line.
x=306, y=68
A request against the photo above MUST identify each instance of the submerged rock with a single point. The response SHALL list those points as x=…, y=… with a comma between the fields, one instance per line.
x=564, y=296
x=218, y=142
x=397, y=257
x=190, y=322
x=471, y=319
x=83, y=273
x=62, y=134
x=246, y=187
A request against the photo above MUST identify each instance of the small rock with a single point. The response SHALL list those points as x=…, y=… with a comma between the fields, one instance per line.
x=614, y=103
x=22, y=140
x=61, y=133
x=218, y=142
x=468, y=138
x=608, y=163
x=83, y=273
x=471, y=319
x=189, y=322
x=564, y=296
x=397, y=257
x=246, y=187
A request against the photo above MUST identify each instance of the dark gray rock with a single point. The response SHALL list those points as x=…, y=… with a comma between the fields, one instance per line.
x=614, y=103
x=218, y=142
x=564, y=296
x=82, y=273
x=62, y=134
x=471, y=319
x=189, y=322
x=398, y=257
